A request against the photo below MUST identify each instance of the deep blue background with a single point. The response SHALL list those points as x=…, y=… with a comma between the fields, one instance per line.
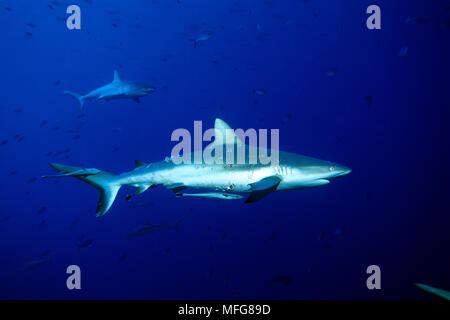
x=393, y=207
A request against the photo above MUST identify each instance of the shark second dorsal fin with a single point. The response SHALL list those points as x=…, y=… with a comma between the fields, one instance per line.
x=139, y=163
x=223, y=130
x=116, y=76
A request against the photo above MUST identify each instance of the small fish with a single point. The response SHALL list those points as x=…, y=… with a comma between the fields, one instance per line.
x=271, y=237
x=32, y=179
x=74, y=223
x=84, y=243
x=403, y=52
x=29, y=34
x=31, y=25
x=5, y=218
x=332, y=72
x=42, y=210
x=286, y=280
x=13, y=173
x=215, y=195
x=57, y=82
x=339, y=231
x=3, y=142
x=260, y=92
x=369, y=100
x=33, y=264
x=42, y=224
x=418, y=20
x=224, y=236
x=445, y=23
x=44, y=254
x=43, y=123
x=123, y=257
x=202, y=37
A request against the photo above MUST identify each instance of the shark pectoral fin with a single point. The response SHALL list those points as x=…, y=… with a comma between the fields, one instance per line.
x=262, y=188
x=137, y=100
x=175, y=187
x=437, y=292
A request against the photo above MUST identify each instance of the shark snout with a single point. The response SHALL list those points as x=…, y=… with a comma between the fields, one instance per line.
x=149, y=89
x=344, y=171
x=336, y=171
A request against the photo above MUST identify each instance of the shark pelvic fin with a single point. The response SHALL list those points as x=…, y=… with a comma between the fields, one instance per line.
x=116, y=76
x=262, y=188
x=175, y=187
x=224, y=134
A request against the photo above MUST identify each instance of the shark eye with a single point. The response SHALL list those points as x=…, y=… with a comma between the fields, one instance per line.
x=331, y=168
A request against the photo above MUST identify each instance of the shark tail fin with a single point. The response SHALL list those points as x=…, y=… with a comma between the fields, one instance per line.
x=76, y=96
x=102, y=181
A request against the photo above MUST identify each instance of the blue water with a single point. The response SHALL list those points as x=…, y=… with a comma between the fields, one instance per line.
x=317, y=61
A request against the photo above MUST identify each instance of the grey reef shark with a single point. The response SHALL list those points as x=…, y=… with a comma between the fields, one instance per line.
x=117, y=89
x=292, y=171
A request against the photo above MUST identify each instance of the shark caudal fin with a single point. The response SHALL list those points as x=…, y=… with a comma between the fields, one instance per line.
x=102, y=181
x=76, y=96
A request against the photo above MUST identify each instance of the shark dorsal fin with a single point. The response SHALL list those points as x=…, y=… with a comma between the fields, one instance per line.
x=139, y=163
x=116, y=76
x=225, y=133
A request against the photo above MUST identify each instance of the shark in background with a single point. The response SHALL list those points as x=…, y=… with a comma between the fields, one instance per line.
x=149, y=228
x=117, y=89
x=293, y=171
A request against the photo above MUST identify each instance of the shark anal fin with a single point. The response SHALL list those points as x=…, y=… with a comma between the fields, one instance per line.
x=137, y=100
x=175, y=187
x=262, y=188
x=139, y=190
